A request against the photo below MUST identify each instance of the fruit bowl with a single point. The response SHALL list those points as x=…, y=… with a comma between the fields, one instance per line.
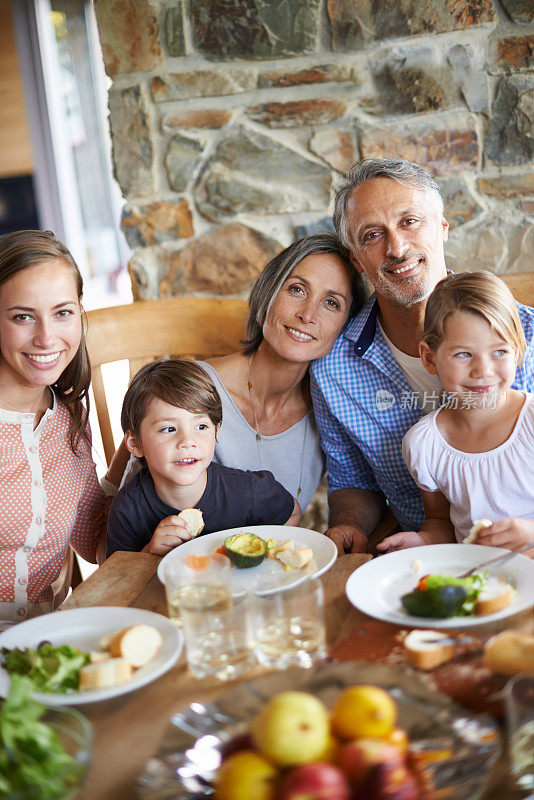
x=190, y=752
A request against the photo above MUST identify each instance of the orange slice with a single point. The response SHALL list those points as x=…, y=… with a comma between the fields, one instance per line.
x=196, y=562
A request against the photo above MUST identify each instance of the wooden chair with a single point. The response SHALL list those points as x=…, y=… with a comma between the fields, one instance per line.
x=196, y=327
x=521, y=284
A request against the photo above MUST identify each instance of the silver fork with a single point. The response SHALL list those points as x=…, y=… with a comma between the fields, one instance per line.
x=501, y=559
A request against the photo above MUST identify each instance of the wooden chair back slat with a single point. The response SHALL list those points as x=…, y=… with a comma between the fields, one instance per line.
x=194, y=327
x=521, y=284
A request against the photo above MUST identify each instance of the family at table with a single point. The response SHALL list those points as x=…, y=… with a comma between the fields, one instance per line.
x=416, y=395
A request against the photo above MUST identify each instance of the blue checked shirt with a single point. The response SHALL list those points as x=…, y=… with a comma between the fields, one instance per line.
x=363, y=408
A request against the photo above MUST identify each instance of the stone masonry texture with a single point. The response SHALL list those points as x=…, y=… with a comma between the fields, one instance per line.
x=231, y=121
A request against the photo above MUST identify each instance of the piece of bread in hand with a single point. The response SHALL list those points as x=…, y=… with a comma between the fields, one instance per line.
x=478, y=525
x=496, y=595
x=193, y=520
x=296, y=558
x=138, y=644
x=509, y=653
x=104, y=674
x=425, y=649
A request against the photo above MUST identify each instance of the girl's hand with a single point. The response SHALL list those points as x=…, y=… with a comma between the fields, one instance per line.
x=510, y=533
x=171, y=532
x=400, y=541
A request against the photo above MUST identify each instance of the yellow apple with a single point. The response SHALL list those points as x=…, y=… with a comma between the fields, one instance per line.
x=246, y=775
x=292, y=728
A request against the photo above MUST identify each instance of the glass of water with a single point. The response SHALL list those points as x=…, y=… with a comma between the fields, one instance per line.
x=289, y=626
x=519, y=693
x=203, y=579
x=219, y=639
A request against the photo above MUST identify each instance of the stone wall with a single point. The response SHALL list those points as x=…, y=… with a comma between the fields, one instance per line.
x=231, y=120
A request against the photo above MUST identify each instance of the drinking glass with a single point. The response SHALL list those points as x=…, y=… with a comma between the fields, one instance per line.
x=204, y=578
x=219, y=639
x=289, y=626
x=519, y=694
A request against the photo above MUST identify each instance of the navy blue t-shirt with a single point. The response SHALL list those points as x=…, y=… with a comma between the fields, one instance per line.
x=233, y=498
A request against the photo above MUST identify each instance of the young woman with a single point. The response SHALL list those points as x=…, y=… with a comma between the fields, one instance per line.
x=473, y=457
x=50, y=497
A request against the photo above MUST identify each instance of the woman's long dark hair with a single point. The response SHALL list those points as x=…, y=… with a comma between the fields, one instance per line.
x=280, y=268
x=22, y=250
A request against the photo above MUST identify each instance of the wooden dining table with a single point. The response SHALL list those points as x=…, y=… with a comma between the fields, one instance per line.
x=129, y=728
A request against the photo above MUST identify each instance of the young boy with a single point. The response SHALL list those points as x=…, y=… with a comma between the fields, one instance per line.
x=170, y=417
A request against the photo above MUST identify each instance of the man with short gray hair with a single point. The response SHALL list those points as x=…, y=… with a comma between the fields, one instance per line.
x=372, y=387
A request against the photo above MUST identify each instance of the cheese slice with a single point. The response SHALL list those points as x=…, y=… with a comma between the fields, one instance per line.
x=104, y=674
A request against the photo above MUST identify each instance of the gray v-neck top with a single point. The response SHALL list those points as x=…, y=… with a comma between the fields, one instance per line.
x=294, y=456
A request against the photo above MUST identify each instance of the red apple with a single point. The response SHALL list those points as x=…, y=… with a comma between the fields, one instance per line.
x=357, y=757
x=388, y=782
x=315, y=781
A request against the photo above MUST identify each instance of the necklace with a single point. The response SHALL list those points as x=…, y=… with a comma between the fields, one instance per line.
x=259, y=437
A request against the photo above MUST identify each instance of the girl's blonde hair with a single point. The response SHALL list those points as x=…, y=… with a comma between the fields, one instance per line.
x=481, y=293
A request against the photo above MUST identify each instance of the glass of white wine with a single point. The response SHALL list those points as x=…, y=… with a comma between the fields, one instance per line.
x=289, y=626
x=519, y=694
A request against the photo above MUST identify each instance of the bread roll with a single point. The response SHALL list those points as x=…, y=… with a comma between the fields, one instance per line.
x=105, y=674
x=297, y=558
x=425, y=649
x=510, y=653
x=285, y=544
x=478, y=525
x=193, y=520
x=138, y=644
x=497, y=594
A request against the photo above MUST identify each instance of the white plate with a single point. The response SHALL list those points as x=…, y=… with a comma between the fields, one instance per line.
x=83, y=628
x=269, y=576
x=376, y=587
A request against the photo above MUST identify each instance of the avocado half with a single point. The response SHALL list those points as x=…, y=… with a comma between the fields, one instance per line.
x=245, y=550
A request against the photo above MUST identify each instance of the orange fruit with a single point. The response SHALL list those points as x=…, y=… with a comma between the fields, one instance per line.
x=196, y=562
x=247, y=775
x=363, y=711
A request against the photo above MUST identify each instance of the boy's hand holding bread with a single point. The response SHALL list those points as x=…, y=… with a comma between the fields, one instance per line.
x=174, y=530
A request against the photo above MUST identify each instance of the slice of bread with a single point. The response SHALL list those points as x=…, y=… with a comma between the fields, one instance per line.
x=478, y=525
x=105, y=674
x=509, y=653
x=97, y=656
x=296, y=558
x=285, y=544
x=138, y=644
x=193, y=520
x=496, y=595
x=425, y=649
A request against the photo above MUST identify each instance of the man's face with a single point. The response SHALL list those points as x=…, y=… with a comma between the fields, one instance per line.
x=397, y=234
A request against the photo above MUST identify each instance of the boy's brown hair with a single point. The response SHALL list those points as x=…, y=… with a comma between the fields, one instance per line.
x=481, y=293
x=176, y=381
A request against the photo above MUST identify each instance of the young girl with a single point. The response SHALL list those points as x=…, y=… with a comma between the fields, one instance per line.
x=473, y=457
x=50, y=497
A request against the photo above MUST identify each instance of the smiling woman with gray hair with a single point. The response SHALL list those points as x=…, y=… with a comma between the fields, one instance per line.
x=300, y=303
